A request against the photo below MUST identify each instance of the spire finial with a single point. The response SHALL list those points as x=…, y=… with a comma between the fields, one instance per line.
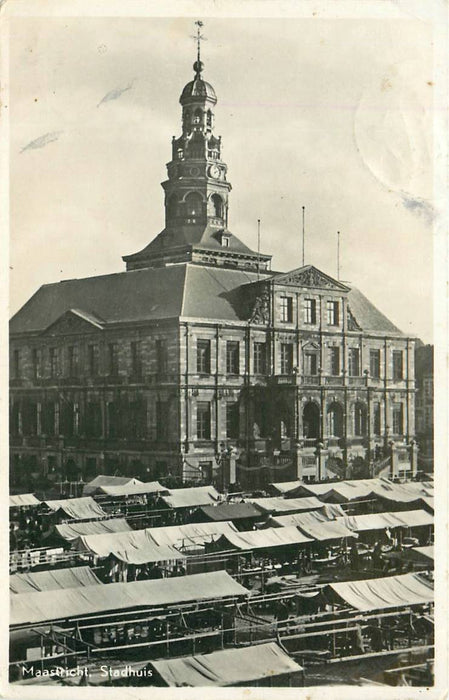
x=198, y=66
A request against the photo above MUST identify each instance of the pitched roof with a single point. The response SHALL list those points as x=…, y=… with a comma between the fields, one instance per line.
x=189, y=290
x=368, y=317
x=200, y=236
x=231, y=511
x=185, y=290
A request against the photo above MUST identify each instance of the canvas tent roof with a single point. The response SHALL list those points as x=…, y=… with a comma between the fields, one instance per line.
x=23, y=499
x=78, y=508
x=262, y=539
x=399, y=493
x=286, y=505
x=231, y=511
x=323, y=530
x=173, y=536
x=52, y=580
x=148, y=553
x=296, y=519
x=131, y=489
x=282, y=487
x=191, y=497
x=102, y=480
x=387, y=592
x=71, y=531
x=369, y=521
x=227, y=666
x=414, y=518
x=32, y=608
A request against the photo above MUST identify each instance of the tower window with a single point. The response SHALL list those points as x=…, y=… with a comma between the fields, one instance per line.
x=197, y=116
x=209, y=118
x=216, y=205
x=194, y=204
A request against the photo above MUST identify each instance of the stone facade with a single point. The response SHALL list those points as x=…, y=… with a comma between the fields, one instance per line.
x=201, y=363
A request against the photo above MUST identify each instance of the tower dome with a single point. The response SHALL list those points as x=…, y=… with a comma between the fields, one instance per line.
x=198, y=88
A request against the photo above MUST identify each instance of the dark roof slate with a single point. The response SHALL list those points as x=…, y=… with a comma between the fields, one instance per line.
x=368, y=317
x=186, y=290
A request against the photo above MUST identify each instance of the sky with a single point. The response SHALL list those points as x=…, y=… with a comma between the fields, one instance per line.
x=331, y=114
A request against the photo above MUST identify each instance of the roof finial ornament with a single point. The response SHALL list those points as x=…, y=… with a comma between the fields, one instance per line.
x=198, y=66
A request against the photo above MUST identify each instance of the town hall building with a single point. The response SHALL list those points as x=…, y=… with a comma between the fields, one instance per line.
x=201, y=363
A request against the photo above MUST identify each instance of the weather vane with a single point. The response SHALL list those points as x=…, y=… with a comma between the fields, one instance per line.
x=199, y=38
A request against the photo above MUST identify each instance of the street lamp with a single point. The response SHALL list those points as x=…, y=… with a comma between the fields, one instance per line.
x=319, y=447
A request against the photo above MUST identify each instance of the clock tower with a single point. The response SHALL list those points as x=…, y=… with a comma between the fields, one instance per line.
x=196, y=192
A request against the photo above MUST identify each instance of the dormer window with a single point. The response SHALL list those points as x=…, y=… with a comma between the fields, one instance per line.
x=225, y=239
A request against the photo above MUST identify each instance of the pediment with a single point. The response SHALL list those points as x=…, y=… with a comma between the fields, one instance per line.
x=74, y=321
x=310, y=276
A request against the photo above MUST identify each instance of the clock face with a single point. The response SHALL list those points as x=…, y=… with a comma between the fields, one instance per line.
x=214, y=171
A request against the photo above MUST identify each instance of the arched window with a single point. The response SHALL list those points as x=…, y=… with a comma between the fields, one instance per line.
x=198, y=116
x=359, y=419
x=311, y=420
x=216, y=205
x=335, y=420
x=209, y=118
x=194, y=204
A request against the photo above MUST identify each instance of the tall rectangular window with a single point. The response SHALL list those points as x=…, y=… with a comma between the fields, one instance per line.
x=54, y=364
x=333, y=313
x=113, y=419
x=376, y=419
x=310, y=363
x=48, y=418
x=232, y=420
x=113, y=359
x=260, y=358
x=136, y=359
x=137, y=426
x=203, y=356
x=286, y=358
x=354, y=362
x=15, y=364
x=398, y=419
x=203, y=420
x=66, y=418
x=161, y=356
x=93, y=358
x=374, y=363
x=93, y=420
x=398, y=368
x=232, y=357
x=286, y=309
x=162, y=418
x=74, y=360
x=36, y=363
x=29, y=418
x=334, y=361
x=310, y=311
